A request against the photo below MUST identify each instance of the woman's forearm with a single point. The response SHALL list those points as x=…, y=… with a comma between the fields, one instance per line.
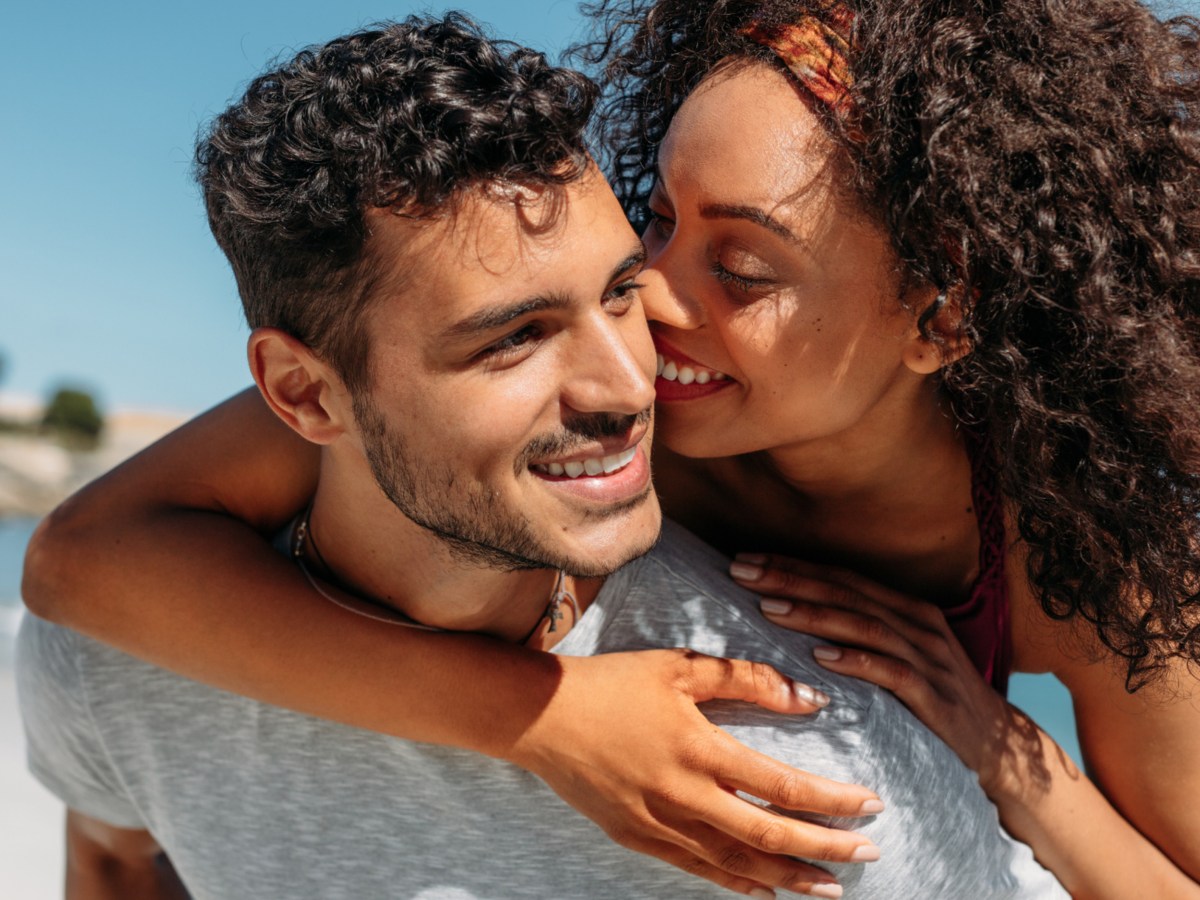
x=202, y=594
x=1045, y=801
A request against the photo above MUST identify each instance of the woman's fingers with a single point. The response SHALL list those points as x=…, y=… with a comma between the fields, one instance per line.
x=710, y=678
x=642, y=761
x=845, y=627
x=742, y=860
x=802, y=880
x=899, y=676
x=792, y=578
x=777, y=835
x=737, y=766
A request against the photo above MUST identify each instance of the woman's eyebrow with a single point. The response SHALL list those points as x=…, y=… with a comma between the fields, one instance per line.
x=749, y=214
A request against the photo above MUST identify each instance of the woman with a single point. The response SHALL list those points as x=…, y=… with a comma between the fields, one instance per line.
x=924, y=280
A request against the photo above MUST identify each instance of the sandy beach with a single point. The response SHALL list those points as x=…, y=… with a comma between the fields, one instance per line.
x=31, y=846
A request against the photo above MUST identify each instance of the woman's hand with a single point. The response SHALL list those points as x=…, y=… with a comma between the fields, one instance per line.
x=623, y=742
x=899, y=643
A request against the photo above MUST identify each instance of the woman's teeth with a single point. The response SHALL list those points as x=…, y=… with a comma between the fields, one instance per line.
x=599, y=465
x=672, y=371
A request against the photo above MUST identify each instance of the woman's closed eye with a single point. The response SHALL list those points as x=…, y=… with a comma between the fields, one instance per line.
x=738, y=281
x=660, y=225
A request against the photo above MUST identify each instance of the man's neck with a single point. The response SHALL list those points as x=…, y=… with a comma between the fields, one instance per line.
x=363, y=544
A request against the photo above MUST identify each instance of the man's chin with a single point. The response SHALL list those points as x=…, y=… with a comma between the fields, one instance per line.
x=614, y=538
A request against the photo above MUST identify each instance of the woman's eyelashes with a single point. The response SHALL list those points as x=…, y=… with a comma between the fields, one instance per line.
x=744, y=283
x=659, y=225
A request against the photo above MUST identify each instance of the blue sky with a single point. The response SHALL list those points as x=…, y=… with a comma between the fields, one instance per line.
x=110, y=277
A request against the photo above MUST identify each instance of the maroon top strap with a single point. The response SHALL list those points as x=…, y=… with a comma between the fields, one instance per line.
x=981, y=624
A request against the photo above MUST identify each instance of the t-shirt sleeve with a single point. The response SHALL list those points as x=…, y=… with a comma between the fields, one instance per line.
x=64, y=748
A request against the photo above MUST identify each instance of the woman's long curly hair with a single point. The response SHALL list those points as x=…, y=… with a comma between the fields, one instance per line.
x=1044, y=155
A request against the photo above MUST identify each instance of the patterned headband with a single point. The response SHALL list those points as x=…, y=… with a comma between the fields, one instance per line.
x=816, y=51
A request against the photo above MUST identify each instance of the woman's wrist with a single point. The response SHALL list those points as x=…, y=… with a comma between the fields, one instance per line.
x=1014, y=773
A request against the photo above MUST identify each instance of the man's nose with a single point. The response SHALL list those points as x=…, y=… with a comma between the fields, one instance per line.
x=611, y=368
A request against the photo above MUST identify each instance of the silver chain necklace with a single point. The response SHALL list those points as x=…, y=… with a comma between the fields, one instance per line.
x=302, y=539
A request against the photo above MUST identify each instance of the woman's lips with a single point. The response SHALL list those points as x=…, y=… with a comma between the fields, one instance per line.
x=682, y=378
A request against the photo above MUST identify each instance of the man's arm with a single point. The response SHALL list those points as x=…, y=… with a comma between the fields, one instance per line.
x=109, y=863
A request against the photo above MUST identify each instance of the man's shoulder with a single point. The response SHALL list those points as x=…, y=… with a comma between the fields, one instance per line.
x=680, y=594
x=47, y=653
x=72, y=660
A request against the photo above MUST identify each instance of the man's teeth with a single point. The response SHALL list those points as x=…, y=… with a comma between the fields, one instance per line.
x=594, y=466
x=672, y=371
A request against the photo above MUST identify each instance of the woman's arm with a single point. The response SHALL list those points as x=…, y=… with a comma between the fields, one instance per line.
x=165, y=557
x=109, y=863
x=1133, y=832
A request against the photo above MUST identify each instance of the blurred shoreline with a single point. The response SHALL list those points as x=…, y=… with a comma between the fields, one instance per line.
x=37, y=472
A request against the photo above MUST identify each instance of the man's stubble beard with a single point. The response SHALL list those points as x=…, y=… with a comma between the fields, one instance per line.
x=469, y=519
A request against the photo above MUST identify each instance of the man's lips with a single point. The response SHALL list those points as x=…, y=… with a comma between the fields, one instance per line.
x=628, y=475
x=588, y=465
x=604, y=457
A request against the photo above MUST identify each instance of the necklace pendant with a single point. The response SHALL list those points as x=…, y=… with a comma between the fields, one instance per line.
x=554, y=614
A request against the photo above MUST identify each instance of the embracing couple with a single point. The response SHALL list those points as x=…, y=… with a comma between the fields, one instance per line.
x=850, y=331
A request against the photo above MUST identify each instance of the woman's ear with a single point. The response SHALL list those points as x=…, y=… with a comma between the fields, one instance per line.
x=297, y=385
x=943, y=340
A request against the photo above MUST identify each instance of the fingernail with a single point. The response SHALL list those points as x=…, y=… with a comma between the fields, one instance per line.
x=871, y=808
x=832, y=891
x=829, y=654
x=775, y=607
x=808, y=695
x=757, y=559
x=762, y=894
x=865, y=853
x=745, y=571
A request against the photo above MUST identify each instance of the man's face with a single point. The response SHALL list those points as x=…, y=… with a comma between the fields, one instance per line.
x=506, y=358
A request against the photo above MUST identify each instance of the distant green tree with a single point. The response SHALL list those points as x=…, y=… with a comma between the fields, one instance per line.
x=73, y=414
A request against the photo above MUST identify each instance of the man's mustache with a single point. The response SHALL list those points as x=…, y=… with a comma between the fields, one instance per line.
x=578, y=433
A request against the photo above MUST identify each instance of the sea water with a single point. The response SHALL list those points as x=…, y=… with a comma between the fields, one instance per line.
x=14, y=535
x=1041, y=696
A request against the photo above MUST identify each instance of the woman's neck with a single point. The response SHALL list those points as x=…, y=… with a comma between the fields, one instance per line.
x=891, y=499
x=891, y=460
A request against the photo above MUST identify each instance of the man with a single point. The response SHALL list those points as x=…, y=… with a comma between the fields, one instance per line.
x=444, y=297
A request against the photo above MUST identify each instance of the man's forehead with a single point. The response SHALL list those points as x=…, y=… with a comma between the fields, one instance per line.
x=502, y=239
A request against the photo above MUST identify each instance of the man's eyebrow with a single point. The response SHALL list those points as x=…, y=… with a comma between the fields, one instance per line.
x=636, y=257
x=749, y=214
x=497, y=317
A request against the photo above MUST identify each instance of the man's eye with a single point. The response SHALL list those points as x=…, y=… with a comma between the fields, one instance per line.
x=622, y=297
x=512, y=342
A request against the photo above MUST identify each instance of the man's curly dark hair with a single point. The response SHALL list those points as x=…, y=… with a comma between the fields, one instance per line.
x=406, y=116
x=1045, y=156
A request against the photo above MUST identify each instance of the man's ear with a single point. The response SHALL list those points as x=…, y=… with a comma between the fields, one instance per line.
x=947, y=341
x=298, y=386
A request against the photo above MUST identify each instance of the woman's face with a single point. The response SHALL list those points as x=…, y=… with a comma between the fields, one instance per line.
x=778, y=313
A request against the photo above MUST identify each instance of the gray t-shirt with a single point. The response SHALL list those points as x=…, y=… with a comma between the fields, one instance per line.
x=253, y=801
